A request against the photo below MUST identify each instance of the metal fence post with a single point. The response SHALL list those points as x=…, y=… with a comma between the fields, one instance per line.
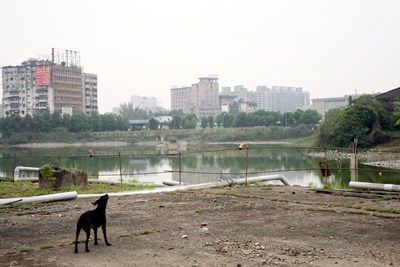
x=120, y=166
x=247, y=163
x=180, y=168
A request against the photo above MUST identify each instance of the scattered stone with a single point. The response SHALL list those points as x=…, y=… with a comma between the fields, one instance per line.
x=246, y=251
x=184, y=236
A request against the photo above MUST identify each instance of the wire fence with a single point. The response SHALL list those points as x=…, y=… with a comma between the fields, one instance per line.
x=212, y=164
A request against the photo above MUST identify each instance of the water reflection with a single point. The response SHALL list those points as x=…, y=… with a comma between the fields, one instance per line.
x=208, y=164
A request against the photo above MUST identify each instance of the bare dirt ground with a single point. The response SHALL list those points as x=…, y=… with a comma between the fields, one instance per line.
x=237, y=226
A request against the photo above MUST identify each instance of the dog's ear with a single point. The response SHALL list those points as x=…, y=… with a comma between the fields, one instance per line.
x=96, y=202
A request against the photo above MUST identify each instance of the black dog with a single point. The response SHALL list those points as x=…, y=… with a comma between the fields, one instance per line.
x=93, y=219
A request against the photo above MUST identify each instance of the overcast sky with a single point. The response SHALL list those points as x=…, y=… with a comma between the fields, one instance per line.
x=330, y=48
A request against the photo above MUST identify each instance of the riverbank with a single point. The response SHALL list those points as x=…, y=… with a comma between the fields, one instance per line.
x=78, y=144
x=371, y=157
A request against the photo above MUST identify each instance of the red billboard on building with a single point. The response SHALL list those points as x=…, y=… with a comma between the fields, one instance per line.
x=42, y=76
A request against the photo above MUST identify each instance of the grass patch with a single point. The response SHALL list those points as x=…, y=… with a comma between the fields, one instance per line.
x=335, y=185
x=146, y=232
x=25, y=249
x=321, y=209
x=385, y=216
x=23, y=207
x=200, y=210
x=352, y=208
x=26, y=189
x=46, y=246
x=80, y=241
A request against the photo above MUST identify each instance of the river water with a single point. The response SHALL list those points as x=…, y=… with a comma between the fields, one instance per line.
x=197, y=165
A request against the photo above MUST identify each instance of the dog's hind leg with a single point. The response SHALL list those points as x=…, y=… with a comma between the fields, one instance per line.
x=78, y=229
x=87, y=230
x=105, y=235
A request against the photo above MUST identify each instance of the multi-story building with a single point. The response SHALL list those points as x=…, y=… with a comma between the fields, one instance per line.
x=236, y=101
x=280, y=98
x=1, y=111
x=23, y=93
x=322, y=105
x=67, y=88
x=201, y=98
x=89, y=84
x=144, y=103
x=56, y=84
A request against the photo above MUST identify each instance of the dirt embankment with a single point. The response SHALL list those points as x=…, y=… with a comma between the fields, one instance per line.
x=238, y=226
x=87, y=144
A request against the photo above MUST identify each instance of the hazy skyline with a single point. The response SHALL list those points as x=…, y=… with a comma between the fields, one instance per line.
x=330, y=48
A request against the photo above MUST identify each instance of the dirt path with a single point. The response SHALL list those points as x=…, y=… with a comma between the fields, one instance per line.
x=239, y=226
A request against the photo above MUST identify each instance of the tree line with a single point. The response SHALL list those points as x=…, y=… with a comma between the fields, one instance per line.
x=53, y=121
x=260, y=118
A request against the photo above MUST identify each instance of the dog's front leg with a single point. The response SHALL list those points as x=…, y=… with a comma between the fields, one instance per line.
x=105, y=235
x=95, y=235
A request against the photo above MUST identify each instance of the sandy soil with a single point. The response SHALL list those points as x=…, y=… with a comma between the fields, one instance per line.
x=238, y=226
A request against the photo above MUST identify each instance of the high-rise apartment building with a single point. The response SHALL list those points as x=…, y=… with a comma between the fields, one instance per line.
x=201, y=98
x=280, y=98
x=56, y=83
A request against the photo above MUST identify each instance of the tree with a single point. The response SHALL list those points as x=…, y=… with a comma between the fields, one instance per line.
x=297, y=117
x=396, y=112
x=310, y=117
x=241, y=120
x=176, y=122
x=326, y=132
x=95, y=122
x=79, y=122
x=363, y=120
x=211, y=121
x=190, y=121
x=218, y=120
x=204, y=122
x=127, y=110
x=153, y=124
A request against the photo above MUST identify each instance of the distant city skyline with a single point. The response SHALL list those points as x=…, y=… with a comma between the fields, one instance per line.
x=329, y=48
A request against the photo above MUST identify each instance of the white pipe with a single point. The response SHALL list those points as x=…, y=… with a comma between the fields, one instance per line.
x=172, y=182
x=74, y=195
x=18, y=169
x=195, y=186
x=40, y=199
x=374, y=186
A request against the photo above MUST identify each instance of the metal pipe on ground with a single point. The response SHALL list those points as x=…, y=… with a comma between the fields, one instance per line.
x=375, y=186
x=40, y=199
x=265, y=178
